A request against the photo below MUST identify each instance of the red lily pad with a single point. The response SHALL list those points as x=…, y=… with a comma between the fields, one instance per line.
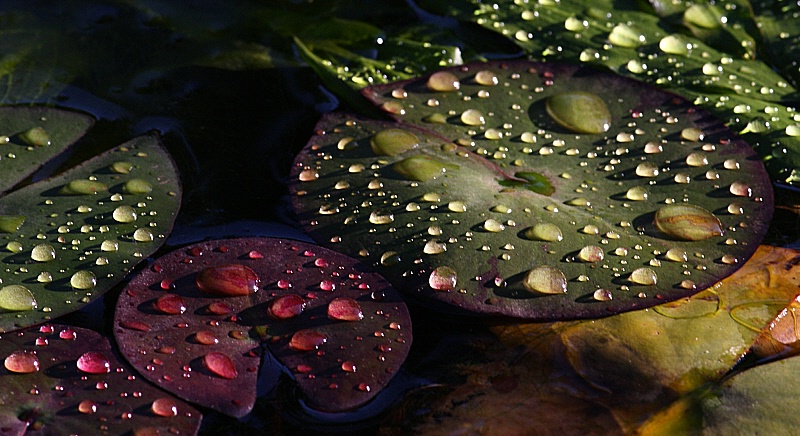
x=67, y=380
x=341, y=330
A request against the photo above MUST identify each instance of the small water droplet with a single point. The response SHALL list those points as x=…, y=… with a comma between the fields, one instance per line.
x=164, y=407
x=83, y=280
x=391, y=142
x=345, y=309
x=308, y=175
x=545, y=279
x=486, y=78
x=687, y=284
x=696, y=160
x=121, y=167
x=591, y=253
x=443, y=278
x=205, y=337
x=676, y=255
x=602, y=295
x=493, y=226
x=674, y=44
x=381, y=216
x=735, y=209
x=22, y=362
x=644, y=276
x=227, y=280
x=580, y=112
x=93, y=362
x=731, y=164
x=286, y=306
x=443, y=81
x=348, y=366
x=109, y=245
x=637, y=193
x=740, y=189
x=87, y=407
x=434, y=247
x=220, y=365
x=647, y=169
x=473, y=117
x=143, y=234
x=124, y=214
x=729, y=259
x=68, y=334
x=17, y=298
x=687, y=222
x=307, y=340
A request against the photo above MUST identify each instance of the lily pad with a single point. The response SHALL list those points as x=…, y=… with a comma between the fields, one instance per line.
x=67, y=380
x=68, y=239
x=507, y=210
x=204, y=312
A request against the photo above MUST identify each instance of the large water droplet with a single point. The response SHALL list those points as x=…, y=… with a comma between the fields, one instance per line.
x=137, y=186
x=706, y=16
x=637, y=193
x=644, y=276
x=22, y=362
x=580, y=112
x=443, y=278
x=647, y=169
x=345, y=309
x=422, y=168
x=11, y=223
x=109, y=245
x=380, y=216
x=220, y=365
x=547, y=232
x=473, y=117
x=83, y=187
x=93, y=362
x=171, y=304
x=87, y=407
x=43, y=253
x=434, y=246
x=35, y=136
x=674, y=44
x=545, y=279
x=16, y=298
x=687, y=222
x=164, y=407
x=124, y=214
x=443, y=81
x=83, y=280
x=486, y=78
x=391, y=142
x=121, y=167
x=307, y=340
x=591, y=253
x=625, y=36
x=143, y=234
x=287, y=306
x=227, y=280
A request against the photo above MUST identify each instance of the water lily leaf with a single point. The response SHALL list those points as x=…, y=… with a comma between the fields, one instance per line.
x=69, y=239
x=67, y=380
x=506, y=209
x=204, y=310
x=779, y=26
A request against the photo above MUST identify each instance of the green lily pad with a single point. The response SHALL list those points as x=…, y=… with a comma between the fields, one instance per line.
x=67, y=380
x=67, y=240
x=517, y=192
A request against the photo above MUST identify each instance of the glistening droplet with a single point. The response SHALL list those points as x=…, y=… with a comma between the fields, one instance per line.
x=220, y=365
x=580, y=112
x=391, y=142
x=164, y=407
x=43, y=253
x=83, y=280
x=545, y=279
x=443, y=81
x=16, y=298
x=307, y=340
x=227, y=280
x=286, y=306
x=443, y=278
x=644, y=276
x=22, y=362
x=687, y=222
x=345, y=309
x=93, y=362
x=544, y=232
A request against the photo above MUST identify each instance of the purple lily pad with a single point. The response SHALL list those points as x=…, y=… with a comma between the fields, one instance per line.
x=67, y=380
x=341, y=330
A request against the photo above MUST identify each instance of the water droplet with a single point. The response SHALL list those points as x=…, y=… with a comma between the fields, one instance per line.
x=135, y=325
x=710, y=69
x=22, y=362
x=624, y=36
x=87, y=407
x=137, y=186
x=486, y=78
x=735, y=209
x=434, y=247
x=653, y=147
x=83, y=280
x=687, y=222
x=307, y=340
x=682, y=178
x=286, y=306
x=43, y=253
x=443, y=278
x=647, y=169
x=16, y=298
x=574, y=24
x=696, y=160
x=124, y=214
x=121, y=167
x=44, y=277
x=728, y=259
x=83, y=187
x=545, y=279
x=11, y=223
x=109, y=245
x=443, y=81
x=636, y=66
x=740, y=189
x=164, y=407
x=345, y=309
x=391, y=142
x=644, y=276
x=308, y=175
x=171, y=304
x=706, y=16
x=492, y=225
x=143, y=234
x=422, y=168
x=637, y=193
x=68, y=334
x=93, y=362
x=227, y=280
x=674, y=44
x=205, y=337
x=687, y=284
x=793, y=130
x=473, y=117
x=590, y=229
x=731, y=164
x=580, y=112
x=676, y=255
x=544, y=232
x=380, y=216
x=591, y=253
x=348, y=366
x=602, y=295
x=35, y=136
x=220, y=365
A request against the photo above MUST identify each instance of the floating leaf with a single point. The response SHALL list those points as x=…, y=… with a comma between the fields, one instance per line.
x=67, y=380
x=69, y=239
x=516, y=190
x=342, y=331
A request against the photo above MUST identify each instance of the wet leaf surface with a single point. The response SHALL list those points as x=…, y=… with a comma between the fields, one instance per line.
x=70, y=238
x=473, y=212
x=68, y=394
x=340, y=330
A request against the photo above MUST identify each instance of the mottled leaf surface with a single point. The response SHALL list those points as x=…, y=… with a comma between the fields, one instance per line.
x=464, y=203
x=356, y=360
x=60, y=398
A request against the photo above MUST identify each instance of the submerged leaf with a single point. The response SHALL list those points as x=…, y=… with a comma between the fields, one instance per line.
x=340, y=330
x=516, y=190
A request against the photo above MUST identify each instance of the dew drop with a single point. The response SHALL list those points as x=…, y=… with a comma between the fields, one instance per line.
x=486, y=78
x=443, y=81
x=676, y=255
x=348, y=366
x=87, y=407
x=83, y=280
x=380, y=216
x=93, y=362
x=286, y=306
x=121, y=167
x=647, y=169
x=580, y=112
x=345, y=309
x=653, y=147
x=602, y=295
x=124, y=214
x=434, y=247
x=457, y=206
x=171, y=304
x=164, y=407
x=545, y=279
x=696, y=160
x=547, y=232
x=227, y=280
x=143, y=234
x=205, y=337
x=22, y=362
x=83, y=187
x=16, y=298
x=493, y=226
x=731, y=164
x=137, y=186
x=391, y=142
x=703, y=15
x=307, y=340
x=740, y=189
x=624, y=36
x=687, y=222
x=591, y=253
x=735, y=209
x=443, y=278
x=422, y=168
x=109, y=245
x=36, y=136
x=644, y=276
x=728, y=259
x=682, y=178
x=674, y=44
x=220, y=365
x=473, y=117
x=637, y=193
x=308, y=175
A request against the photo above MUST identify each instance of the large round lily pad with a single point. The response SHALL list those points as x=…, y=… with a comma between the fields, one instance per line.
x=540, y=191
x=194, y=322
